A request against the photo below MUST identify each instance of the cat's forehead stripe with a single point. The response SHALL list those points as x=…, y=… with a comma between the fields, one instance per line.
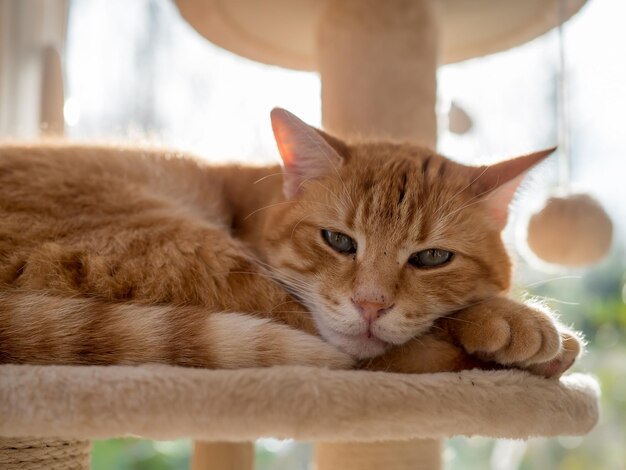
x=389, y=199
x=425, y=163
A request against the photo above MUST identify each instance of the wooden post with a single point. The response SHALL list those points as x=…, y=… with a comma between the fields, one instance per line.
x=422, y=454
x=51, y=117
x=222, y=456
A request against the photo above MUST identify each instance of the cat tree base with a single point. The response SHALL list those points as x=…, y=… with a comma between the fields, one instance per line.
x=340, y=409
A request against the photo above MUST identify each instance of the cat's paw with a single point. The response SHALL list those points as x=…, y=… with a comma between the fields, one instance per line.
x=507, y=332
x=572, y=346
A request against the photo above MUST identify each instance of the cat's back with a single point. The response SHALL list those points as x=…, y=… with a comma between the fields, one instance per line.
x=72, y=177
x=72, y=169
x=57, y=190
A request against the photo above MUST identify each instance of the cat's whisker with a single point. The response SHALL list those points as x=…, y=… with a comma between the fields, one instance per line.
x=336, y=198
x=470, y=202
x=278, y=204
x=461, y=320
x=273, y=269
x=268, y=176
x=455, y=195
x=296, y=226
x=545, y=281
x=295, y=283
x=558, y=301
x=269, y=276
x=267, y=207
x=283, y=303
x=299, y=312
x=347, y=193
x=437, y=327
x=445, y=219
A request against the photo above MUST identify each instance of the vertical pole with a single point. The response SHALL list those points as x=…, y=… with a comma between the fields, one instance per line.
x=378, y=67
x=417, y=454
x=222, y=456
x=32, y=41
x=52, y=94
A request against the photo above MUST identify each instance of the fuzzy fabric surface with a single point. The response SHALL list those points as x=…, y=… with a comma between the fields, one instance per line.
x=305, y=403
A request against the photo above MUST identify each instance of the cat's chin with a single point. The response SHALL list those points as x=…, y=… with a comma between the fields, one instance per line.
x=362, y=346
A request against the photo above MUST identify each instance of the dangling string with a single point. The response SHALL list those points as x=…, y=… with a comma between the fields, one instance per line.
x=565, y=167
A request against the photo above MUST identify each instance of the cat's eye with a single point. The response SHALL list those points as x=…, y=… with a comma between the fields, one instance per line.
x=339, y=242
x=430, y=258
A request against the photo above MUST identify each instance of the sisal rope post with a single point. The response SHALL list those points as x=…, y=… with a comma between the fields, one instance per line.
x=222, y=456
x=44, y=454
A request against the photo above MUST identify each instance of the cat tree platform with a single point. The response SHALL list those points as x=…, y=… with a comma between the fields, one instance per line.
x=49, y=411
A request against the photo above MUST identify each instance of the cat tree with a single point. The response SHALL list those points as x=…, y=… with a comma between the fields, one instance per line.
x=377, y=62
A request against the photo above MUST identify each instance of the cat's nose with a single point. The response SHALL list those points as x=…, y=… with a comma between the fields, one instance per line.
x=371, y=310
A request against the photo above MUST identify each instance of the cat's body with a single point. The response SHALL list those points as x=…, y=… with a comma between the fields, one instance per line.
x=142, y=244
x=111, y=255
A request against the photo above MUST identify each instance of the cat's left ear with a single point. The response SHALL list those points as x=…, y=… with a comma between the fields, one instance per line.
x=306, y=152
x=497, y=184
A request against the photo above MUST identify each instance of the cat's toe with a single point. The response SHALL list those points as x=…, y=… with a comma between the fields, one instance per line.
x=534, y=339
x=513, y=339
x=572, y=347
x=550, y=341
x=485, y=338
x=526, y=341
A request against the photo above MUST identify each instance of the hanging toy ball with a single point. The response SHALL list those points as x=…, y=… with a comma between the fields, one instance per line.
x=572, y=231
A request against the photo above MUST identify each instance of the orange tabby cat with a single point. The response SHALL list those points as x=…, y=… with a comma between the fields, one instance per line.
x=381, y=253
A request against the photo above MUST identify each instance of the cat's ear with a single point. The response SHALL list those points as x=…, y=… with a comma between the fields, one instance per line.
x=497, y=183
x=306, y=152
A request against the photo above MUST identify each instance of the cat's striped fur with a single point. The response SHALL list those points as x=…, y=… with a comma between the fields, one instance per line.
x=45, y=329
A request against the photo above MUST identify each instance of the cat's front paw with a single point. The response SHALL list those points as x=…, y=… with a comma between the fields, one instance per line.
x=507, y=332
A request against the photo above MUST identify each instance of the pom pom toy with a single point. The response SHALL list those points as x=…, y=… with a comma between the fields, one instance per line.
x=572, y=229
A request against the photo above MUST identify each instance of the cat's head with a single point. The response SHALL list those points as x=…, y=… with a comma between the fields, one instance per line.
x=380, y=239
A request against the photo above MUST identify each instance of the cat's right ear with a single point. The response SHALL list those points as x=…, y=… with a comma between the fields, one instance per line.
x=496, y=184
x=306, y=154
